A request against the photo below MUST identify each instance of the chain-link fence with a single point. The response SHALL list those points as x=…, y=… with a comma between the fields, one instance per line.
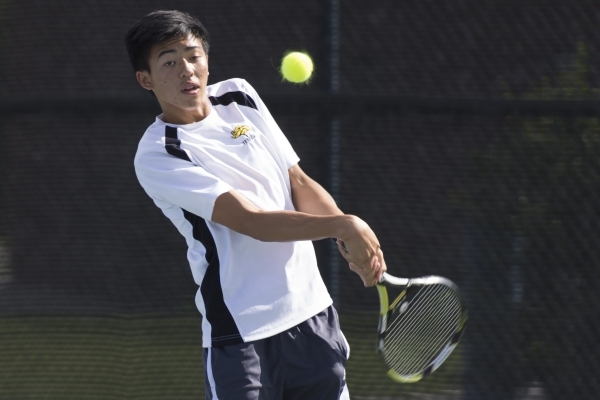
x=469, y=138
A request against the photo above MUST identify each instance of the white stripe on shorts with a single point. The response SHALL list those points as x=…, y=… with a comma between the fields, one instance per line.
x=211, y=378
x=345, y=393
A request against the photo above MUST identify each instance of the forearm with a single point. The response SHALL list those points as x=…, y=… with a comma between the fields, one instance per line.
x=361, y=246
x=288, y=226
x=237, y=213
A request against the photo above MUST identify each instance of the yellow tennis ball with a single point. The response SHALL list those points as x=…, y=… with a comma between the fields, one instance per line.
x=296, y=67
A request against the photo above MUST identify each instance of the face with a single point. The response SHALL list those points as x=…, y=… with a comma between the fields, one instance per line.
x=178, y=76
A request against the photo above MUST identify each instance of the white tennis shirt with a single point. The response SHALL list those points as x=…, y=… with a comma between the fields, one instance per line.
x=249, y=289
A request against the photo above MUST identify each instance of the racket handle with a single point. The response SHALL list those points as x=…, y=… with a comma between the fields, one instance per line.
x=392, y=280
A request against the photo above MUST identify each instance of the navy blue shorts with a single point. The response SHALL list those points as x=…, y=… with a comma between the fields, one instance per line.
x=307, y=361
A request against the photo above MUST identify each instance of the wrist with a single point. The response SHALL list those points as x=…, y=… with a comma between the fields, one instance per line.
x=344, y=226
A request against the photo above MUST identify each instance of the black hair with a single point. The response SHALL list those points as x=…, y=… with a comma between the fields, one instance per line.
x=159, y=27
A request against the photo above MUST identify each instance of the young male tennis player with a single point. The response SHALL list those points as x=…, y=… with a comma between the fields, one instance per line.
x=216, y=163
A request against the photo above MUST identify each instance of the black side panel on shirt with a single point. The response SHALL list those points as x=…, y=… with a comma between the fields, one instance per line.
x=172, y=143
x=224, y=329
x=233, y=97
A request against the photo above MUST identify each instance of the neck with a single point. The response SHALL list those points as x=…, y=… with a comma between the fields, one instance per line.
x=180, y=116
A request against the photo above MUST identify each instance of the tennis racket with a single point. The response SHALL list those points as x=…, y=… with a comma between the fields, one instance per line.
x=421, y=327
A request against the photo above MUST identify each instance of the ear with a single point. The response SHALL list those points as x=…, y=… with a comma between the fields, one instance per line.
x=144, y=80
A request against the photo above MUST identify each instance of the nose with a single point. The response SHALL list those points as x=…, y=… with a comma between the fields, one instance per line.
x=187, y=69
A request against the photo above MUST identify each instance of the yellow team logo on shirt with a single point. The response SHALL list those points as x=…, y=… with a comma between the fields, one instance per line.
x=239, y=131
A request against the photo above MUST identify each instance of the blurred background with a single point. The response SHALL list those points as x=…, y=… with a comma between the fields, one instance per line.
x=465, y=132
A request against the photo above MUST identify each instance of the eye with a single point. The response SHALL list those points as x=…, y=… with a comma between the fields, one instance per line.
x=194, y=58
x=169, y=63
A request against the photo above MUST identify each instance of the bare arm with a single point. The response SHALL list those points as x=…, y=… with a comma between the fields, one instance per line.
x=310, y=197
x=237, y=213
x=317, y=218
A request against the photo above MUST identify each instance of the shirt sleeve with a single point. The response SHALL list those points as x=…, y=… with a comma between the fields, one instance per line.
x=275, y=133
x=180, y=182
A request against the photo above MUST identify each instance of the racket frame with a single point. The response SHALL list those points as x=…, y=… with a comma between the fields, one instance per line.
x=386, y=308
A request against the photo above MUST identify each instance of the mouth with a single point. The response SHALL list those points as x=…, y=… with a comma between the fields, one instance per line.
x=190, y=88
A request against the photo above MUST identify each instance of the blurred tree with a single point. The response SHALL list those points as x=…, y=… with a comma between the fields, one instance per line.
x=536, y=203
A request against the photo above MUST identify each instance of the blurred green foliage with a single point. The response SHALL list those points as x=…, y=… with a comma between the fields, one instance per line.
x=153, y=357
x=101, y=358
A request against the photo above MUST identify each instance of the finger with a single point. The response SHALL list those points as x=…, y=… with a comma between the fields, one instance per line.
x=378, y=273
x=365, y=276
x=376, y=263
x=369, y=282
x=373, y=264
x=354, y=268
x=383, y=267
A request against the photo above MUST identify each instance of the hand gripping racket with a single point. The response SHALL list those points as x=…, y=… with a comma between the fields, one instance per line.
x=421, y=327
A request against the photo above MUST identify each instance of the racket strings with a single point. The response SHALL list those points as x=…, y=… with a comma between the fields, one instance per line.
x=415, y=337
x=427, y=356
x=415, y=344
x=422, y=345
x=414, y=355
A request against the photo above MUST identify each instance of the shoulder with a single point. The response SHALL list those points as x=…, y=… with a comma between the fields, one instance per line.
x=230, y=85
x=154, y=134
x=152, y=141
x=235, y=90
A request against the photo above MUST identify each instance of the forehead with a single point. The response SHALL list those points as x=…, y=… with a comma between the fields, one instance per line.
x=178, y=44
